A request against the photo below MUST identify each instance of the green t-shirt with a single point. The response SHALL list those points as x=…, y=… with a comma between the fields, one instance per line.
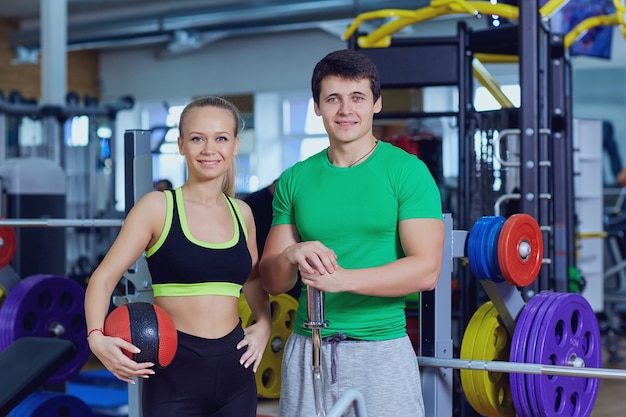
x=355, y=212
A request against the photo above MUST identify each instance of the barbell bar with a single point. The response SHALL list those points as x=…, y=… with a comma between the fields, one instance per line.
x=575, y=370
x=61, y=222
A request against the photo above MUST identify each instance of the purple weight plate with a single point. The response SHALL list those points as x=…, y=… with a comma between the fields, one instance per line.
x=548, y=303
x=519, y=345
x=570, y=329
x=47, y=306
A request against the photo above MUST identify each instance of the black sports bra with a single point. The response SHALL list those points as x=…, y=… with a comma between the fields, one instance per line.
x=181, y=265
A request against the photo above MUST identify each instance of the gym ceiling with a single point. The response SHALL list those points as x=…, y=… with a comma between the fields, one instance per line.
x=181, y=25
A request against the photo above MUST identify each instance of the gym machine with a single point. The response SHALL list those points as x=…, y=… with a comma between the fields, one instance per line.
x=48, y=181
x=540, y=180
x=508, y=343
x=492, y=180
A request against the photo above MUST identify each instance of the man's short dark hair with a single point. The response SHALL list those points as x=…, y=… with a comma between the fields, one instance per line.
x=348, y=64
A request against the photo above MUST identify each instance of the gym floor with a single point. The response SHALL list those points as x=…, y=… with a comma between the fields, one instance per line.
x=267, y=408
x=609, y=402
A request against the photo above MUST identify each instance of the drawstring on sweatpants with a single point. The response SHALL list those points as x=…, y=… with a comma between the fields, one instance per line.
x=334, y=341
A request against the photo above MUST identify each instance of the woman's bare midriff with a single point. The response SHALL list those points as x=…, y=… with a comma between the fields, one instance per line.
x=208, y=316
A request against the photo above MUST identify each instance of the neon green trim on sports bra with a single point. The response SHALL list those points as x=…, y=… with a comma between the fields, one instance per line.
x=187, y=232
x=236, y=213
x=166, y=226
x=203, y=288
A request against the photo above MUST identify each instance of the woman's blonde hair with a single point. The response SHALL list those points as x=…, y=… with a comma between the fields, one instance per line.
x=228, y=186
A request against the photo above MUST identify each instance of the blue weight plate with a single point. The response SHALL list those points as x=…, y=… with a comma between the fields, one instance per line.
x=479, y=263
x=44, y=404
x=482, y=259
x=491, y=249
x=474, y=248
x=569, y=330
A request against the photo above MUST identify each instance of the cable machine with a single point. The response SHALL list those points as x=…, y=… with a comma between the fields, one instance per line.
x=528, y=150
x=47, y=178
x=539, y=131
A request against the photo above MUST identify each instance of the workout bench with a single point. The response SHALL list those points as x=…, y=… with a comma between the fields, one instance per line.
x=26, y=365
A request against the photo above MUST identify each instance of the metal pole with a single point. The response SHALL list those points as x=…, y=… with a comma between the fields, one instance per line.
x=315, y=311
x=349, y=398
x=138, y=169
x=61, y=222
x=3, y=136
x=522, y=368
x=53, y=37
x=435, y=329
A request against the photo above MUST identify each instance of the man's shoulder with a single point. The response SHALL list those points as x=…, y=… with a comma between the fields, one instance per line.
x=396, y=157
x=312, y=162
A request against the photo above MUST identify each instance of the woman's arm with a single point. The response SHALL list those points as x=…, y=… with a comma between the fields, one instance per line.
x=257, y=334
x=132, y=240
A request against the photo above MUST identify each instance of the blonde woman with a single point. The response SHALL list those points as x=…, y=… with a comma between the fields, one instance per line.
x=200, y=247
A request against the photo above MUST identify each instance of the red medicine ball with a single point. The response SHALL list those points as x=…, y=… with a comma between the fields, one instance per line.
x=146, y=326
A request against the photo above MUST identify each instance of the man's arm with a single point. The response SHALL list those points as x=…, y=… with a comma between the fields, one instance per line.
x=422, y=241
x=284, y=254
x=278, y=275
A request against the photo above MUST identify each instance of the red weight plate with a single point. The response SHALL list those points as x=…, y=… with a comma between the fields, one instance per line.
x=520, y=249
x=7, y=245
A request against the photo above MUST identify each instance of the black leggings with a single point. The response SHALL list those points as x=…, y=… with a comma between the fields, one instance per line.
x=204, y=379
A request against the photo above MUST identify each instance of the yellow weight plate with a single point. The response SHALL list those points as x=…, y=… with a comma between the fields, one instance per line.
x=493, y=387
x=479, y=377
x=469, y=338
x=283, y=311
x=245, y=313
x=472, y=331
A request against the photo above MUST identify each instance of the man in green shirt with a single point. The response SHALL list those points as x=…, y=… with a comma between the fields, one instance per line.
x=362, y=222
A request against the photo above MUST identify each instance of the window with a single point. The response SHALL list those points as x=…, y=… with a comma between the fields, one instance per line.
x=303, y=130
x=484, y=100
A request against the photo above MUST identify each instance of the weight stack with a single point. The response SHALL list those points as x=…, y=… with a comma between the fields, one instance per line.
x=34, y=188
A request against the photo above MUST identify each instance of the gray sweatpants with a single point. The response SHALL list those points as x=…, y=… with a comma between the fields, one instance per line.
x=385, y=372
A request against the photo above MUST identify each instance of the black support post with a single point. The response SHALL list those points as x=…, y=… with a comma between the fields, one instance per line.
x=529, y=115
x=563, y=224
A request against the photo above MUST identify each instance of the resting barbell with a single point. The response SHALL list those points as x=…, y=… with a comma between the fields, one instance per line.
x=539, y=358
x=8, y=237
x=521, y=368
x=61, y=223
x=554, y=358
